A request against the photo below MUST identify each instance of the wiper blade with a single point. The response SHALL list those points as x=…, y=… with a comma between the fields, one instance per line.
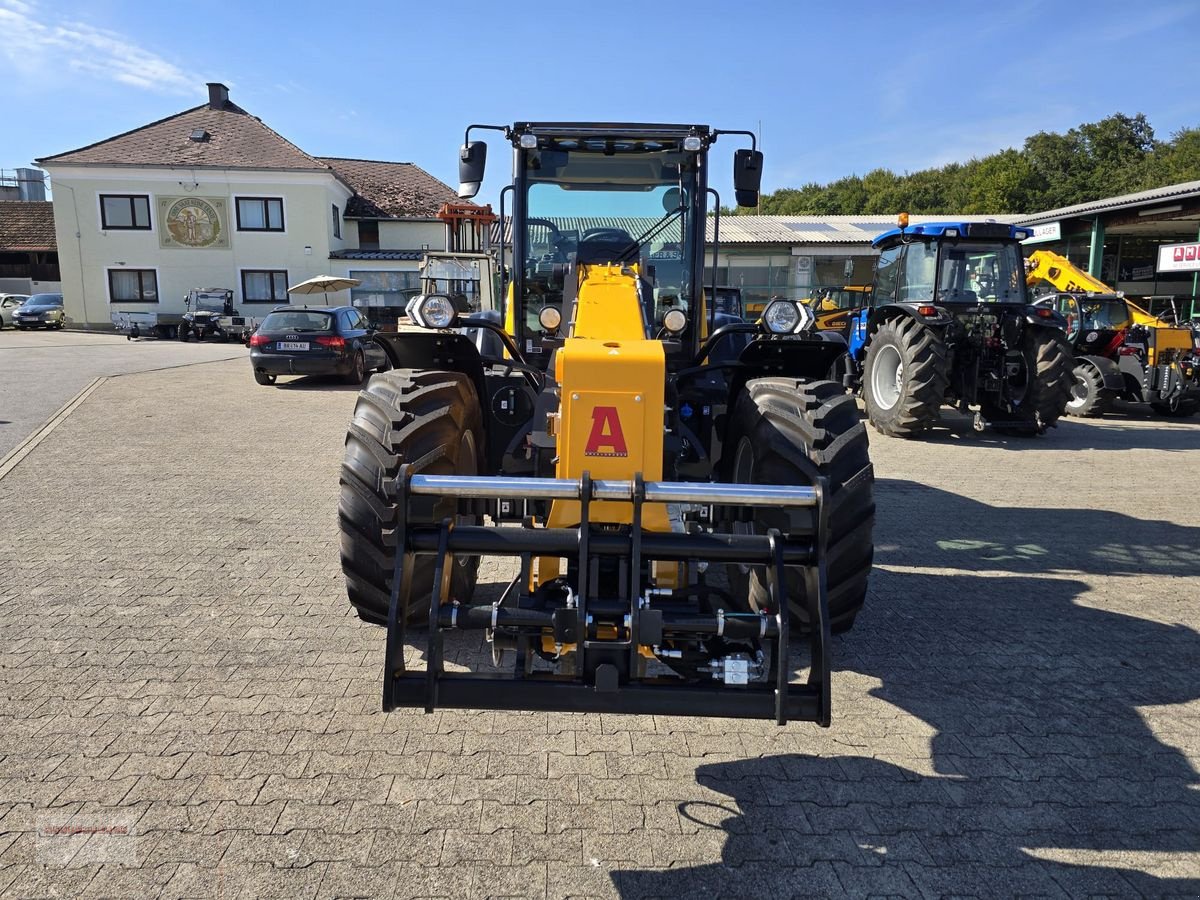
x=651, y=232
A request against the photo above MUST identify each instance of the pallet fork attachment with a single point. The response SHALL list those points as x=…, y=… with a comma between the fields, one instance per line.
x=612, y=632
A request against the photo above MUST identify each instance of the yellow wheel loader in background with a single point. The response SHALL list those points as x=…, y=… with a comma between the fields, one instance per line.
x=1121, y=350
x=685, y=493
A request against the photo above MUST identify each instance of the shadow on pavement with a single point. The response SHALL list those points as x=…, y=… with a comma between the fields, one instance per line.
x=939, y=529
x=1041, y=775
x=1109, y=433
x=315, y=383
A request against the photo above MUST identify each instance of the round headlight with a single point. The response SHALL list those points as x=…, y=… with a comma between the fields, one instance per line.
x=550, y=318
x=781, y=317
x=675, y=320
x=436, y=311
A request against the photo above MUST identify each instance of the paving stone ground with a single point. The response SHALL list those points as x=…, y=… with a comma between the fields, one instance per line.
x=189, y=709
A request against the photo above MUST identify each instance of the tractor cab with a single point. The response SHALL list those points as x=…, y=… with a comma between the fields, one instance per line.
x=1096, y=323
x=951, y=264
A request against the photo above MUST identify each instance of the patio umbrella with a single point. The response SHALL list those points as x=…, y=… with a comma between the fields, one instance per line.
x=323, y=284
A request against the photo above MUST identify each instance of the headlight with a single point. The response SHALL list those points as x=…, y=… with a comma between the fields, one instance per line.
x=432, y=311
x=550, y=318
x=784, y=317
x=675, y=320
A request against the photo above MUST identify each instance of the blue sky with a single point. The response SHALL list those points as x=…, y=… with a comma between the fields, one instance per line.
x=836, y=88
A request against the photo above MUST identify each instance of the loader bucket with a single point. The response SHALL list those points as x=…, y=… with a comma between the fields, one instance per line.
x=614, y=633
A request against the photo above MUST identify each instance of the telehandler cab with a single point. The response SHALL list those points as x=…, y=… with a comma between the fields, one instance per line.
x=683, y=490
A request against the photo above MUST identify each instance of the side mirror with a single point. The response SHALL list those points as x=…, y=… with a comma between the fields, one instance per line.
x=747, y=176
x=472, y=159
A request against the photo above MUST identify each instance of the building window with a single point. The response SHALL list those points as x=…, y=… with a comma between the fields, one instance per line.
x=132, y=286
x=368, y=235
x=337, y=222
x=264, y=286
x=260, y=214
x=129, y=212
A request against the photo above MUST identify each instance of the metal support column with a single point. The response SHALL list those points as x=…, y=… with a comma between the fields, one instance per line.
x=1195, y=310
x=1096, y=253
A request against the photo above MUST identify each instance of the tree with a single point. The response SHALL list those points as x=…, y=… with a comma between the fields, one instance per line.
x=1116, y=155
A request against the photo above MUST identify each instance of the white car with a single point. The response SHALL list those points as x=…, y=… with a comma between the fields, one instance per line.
x=8, y=305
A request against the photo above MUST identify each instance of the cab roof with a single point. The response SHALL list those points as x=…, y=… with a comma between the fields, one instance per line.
x=991, y=231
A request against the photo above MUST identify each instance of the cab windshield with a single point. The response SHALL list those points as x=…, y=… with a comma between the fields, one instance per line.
x=978, y=272
x=592, y=207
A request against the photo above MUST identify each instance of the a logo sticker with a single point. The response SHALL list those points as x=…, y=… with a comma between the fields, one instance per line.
x=607, y=438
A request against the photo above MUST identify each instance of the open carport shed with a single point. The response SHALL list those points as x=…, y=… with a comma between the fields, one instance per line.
x=1117, y=240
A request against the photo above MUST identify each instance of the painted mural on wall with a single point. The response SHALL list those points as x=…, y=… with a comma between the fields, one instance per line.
x=193, y=223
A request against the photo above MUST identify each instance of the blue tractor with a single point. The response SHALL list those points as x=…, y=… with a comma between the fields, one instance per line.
x=950, y=323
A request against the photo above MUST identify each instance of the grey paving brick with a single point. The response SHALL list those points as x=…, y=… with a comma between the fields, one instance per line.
x=1013, y=694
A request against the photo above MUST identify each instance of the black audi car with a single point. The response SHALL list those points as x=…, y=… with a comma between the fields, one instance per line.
x=315, y=340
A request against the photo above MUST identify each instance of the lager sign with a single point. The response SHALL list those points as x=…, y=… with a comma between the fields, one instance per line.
x=1179, y=258
x=1051, y=231
x=192, y=223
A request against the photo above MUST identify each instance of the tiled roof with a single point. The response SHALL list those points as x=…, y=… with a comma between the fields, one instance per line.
x=378, y=254
x=390, y=190
x=236, y=140
x=1183, y=189
x=27, y=225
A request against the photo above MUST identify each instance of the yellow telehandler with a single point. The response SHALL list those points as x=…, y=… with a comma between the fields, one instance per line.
x=1121, y=350
x=684, y=492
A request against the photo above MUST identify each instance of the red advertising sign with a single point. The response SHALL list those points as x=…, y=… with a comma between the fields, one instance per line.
x=1179, y=258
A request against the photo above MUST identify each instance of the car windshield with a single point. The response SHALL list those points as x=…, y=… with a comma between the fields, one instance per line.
x=979, y=272
x=43, y=301
x=298, y=321
x=597, y=207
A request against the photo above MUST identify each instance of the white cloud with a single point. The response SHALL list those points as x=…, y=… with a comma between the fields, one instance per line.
x=37, y=44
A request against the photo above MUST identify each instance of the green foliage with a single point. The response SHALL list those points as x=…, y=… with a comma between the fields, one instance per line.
x=1117, y=155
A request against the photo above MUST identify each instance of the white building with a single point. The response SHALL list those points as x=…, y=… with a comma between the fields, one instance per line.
x=212, y=197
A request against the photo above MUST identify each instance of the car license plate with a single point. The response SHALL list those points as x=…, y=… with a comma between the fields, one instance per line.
x=291, y=345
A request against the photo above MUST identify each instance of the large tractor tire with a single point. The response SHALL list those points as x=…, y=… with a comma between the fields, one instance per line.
x=1177, y=409
x=786, y=431
x=1089, y=397
x=1045, y=391
x=430, y=419
x=905, y=377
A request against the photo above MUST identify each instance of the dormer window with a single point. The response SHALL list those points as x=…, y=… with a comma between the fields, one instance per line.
x=199, y=135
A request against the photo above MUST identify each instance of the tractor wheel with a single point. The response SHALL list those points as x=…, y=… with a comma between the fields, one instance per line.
x=1178, y=409
x=904, y=378
x=432, y=420
x=1089, y=397
x=786, y=431
x=1043, y=397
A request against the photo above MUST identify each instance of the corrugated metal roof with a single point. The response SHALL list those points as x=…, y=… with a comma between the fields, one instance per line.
x=824, y=229
x=789, y=230
x=1167, y=192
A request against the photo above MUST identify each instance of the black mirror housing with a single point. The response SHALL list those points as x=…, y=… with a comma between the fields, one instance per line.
x=472, y=159
x=747, y=176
